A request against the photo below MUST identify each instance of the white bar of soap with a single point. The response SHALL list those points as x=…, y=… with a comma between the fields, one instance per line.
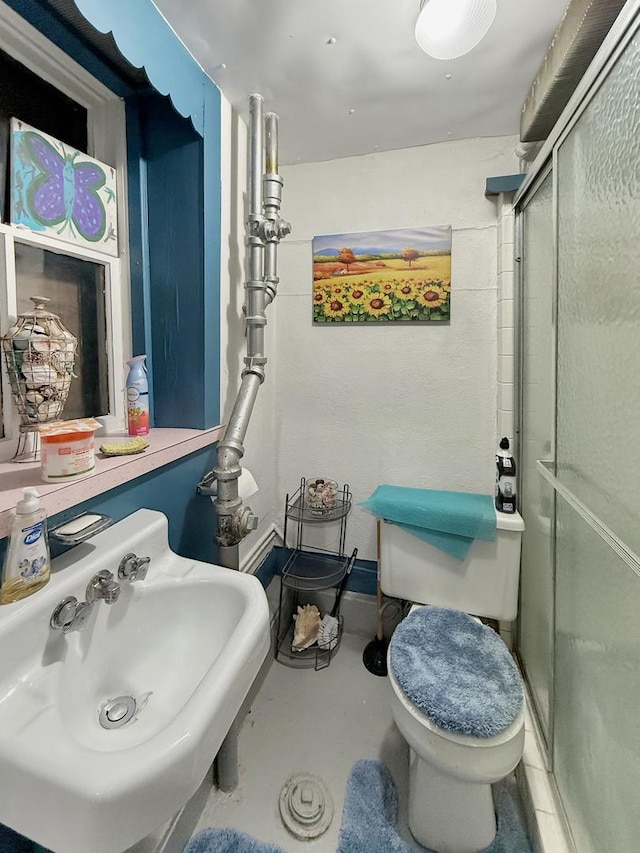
x=77, y=525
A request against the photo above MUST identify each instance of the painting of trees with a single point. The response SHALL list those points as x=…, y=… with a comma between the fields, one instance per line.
x=410, y=254
x=346, y=257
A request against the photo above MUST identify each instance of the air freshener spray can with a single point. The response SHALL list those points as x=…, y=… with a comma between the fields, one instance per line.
x=137, y=396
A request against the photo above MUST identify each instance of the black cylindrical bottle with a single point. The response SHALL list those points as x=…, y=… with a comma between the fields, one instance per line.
x=506, y=500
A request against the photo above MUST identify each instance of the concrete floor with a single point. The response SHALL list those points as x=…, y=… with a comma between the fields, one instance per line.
x=314, y=722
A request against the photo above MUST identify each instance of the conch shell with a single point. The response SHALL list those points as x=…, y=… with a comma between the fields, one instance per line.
x=307, y=625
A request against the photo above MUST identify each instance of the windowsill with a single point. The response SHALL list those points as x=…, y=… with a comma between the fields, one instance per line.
x=166, y=446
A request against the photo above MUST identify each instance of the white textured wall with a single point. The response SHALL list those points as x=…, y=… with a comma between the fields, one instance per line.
x=259, y=456
x=407, y=405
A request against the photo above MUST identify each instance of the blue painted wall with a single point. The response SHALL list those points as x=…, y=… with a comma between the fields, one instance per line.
x=173, y=153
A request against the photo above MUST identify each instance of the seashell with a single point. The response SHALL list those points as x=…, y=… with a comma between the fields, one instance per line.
x=37, y=375
x=307, y=625
x=59, y=362
x=21, y=339
x=34, y=397
x=48, y=411
x=44, y=344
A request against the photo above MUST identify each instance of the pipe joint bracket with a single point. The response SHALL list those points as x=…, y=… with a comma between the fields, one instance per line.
x=274, y=229
x=255, y=360
x=259, y=320
x=232, y=529
x=272, y=176
x=255, y=367
x=225, y=475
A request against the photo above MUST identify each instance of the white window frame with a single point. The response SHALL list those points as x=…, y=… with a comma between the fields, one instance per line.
x=106, y=129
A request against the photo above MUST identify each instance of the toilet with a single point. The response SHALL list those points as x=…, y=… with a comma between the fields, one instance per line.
x=457, y=696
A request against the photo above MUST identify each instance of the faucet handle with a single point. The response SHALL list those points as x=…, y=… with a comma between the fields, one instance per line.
x=133, y=568
x=70, y=614
x=142, y=568
x=103, y=586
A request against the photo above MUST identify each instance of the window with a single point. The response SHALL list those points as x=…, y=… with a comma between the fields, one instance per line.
x=88, y=289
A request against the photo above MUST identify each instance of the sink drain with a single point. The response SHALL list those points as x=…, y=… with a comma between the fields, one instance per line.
x=306, y=807
x=117, y=712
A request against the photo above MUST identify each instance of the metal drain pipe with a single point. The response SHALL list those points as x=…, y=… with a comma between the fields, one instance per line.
x=265, y=229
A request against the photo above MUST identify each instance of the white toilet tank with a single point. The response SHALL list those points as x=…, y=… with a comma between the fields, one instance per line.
x=483, y=584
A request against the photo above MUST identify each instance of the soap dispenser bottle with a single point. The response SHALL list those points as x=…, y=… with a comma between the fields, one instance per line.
x=505, y=478
x=27, y=563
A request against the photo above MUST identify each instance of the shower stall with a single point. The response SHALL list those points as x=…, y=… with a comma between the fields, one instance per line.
x=578, y=221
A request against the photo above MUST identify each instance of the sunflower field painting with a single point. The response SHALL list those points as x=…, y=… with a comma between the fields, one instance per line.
x=402, y=275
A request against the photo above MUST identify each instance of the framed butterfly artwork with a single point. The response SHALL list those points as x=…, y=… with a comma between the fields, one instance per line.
x=59, y=191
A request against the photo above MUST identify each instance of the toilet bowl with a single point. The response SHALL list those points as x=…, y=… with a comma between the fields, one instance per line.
x=464, y=727
x=450, y=774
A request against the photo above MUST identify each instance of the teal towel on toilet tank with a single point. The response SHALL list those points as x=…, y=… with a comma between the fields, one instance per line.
x=449, y=521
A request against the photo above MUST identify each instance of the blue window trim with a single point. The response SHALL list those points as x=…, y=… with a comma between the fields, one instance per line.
x=146, y=40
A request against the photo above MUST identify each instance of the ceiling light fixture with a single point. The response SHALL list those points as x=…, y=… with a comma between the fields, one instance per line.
x=447, y=29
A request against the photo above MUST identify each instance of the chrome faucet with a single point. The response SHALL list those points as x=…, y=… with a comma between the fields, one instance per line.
x=133, y=568
x=103, y=587
x=71, y=614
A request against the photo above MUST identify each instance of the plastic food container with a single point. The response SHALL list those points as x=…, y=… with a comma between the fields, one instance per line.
x=68, y=449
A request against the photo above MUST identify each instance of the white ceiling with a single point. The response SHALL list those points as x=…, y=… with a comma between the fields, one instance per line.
x=373, y=89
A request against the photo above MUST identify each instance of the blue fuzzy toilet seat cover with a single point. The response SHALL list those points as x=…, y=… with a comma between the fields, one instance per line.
x=457, y=672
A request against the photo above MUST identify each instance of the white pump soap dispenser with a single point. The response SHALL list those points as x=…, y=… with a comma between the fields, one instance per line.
x=27, y=563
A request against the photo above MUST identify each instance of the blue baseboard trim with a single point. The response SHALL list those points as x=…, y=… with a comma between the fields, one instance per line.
x=363, y=578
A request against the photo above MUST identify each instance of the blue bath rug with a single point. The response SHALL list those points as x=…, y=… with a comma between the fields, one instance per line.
x=228, y=841
x=456, y=671
x=371, y=809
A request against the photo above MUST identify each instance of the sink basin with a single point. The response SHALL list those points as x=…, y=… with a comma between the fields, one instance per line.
x=174, y=657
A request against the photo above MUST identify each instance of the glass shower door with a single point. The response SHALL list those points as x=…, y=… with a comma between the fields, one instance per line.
x=535, y=622
x=597, y=689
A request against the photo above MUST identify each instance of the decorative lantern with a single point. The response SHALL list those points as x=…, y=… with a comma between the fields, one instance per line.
x=39, y=353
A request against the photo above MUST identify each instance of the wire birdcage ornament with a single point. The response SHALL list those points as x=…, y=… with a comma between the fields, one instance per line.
x=39, y=355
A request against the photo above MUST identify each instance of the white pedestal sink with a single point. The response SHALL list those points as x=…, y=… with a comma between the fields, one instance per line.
x=185, y=643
